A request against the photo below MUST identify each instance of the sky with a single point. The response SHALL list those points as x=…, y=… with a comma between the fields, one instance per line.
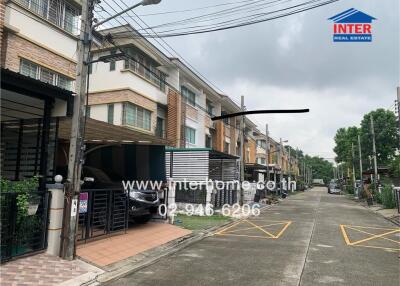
x=292, y=62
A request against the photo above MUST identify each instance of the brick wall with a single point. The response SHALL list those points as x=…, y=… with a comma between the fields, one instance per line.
x=18, y=48
x=2, y=32
x=219, y=144
x=191, y=112
x=251, y=144
x=174, y=118
x=126, y=95
x=233, y=137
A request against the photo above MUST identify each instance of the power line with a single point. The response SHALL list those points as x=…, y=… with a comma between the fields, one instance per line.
x=194, y=9
x=247, y=23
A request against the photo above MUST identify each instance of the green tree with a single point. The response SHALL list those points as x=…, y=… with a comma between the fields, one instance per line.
x=344, y=138
x=321, y=168
x=386, y=136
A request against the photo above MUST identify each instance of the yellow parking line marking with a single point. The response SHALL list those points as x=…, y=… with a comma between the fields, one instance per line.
x=253, y=227
x=373, y=237
x=263, y=230
x=228, y=227
x=379, y=247
x=374, y=234
x=372, y=227
x=283, y=229
x=245, y=235
x=346, y=238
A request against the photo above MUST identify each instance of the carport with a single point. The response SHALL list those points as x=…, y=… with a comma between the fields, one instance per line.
x=112, y=154
x=104, y=243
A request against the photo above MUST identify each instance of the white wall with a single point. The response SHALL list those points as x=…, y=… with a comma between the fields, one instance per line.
x=100, y=112
x=54, y=39
x=103, y=79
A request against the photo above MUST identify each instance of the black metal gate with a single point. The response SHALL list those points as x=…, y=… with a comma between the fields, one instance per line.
x=102, y=212
x=23, y=231
x=225, y=196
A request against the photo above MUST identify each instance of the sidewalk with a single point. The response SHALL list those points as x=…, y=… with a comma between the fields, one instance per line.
x=390, y=214
x=137, y=239
x=44, y=269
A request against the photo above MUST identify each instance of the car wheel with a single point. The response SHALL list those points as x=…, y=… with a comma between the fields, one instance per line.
x=142, y=219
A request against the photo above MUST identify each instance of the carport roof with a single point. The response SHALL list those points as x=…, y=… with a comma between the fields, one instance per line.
x=102, y=132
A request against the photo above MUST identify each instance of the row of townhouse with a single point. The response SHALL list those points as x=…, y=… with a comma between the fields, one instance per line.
x=162, y=96
x=149, y=92
x=145, y=98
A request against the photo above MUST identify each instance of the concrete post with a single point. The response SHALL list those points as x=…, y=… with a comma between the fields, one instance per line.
x=55, y=218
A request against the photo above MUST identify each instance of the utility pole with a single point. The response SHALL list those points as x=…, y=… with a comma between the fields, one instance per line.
x=354, y=169
x=267, y=150
x=398, y=106
x=290, y=169
x=76, y=147
x=361, y=167
x=281, y=163
x=242, y=151
x=374, y=155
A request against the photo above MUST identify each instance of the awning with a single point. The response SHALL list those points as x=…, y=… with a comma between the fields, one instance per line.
x=102, y=132
x=26, y=85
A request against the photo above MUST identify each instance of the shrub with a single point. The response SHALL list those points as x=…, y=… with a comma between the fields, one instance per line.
x=387, y=198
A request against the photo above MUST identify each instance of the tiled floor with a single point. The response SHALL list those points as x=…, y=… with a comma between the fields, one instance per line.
x=40, y=269
x=138, y=239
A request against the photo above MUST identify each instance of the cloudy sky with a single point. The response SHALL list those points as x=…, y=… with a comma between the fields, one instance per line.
x=292, y=63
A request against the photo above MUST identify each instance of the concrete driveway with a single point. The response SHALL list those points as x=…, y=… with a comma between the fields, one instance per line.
x=312, y=238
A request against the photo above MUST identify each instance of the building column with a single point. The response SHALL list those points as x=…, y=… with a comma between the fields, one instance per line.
x=55, y=218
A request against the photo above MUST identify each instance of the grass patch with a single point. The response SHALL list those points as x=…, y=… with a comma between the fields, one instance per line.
x=200, y=222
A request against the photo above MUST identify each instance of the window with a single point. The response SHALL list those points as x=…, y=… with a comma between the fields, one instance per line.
x=112, y=63
x=210, y=107
x=145, y=66
x=47, y=76
x=64, y=82
x=189, y=95
x=36, y=71
x=110, y=113
x=160, y=127
x=137, y=116
x=226, y=147
x=190, y=135
x=208, y=142
x=261, y=161
x=225, y=120
x=58, y=12
x=261, y=143
x=29, y=69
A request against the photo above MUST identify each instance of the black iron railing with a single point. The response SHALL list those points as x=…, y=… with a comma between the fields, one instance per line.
x=102, y=212
x=23, y=225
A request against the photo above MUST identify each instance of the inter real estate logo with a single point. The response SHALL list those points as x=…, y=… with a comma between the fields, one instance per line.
x=352, y=26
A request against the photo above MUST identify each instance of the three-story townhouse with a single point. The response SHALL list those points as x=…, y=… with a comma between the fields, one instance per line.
x=136, y=91
x=200, y=102
x=38, y=68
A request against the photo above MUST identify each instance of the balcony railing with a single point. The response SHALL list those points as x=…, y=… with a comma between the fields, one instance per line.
x=58, y=12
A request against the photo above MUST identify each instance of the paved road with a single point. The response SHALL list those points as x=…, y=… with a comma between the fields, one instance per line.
x=298, y=242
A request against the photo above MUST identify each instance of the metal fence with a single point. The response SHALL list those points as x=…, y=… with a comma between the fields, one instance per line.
x=102, y=212
x=223, y=197
x=185, y=194
x=23, y=223
x=397, y=197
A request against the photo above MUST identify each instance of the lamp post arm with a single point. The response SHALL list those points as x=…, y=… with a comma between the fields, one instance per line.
x=116, y=15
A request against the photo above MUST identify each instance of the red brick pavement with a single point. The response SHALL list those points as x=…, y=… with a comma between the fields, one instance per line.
x=40, y=269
